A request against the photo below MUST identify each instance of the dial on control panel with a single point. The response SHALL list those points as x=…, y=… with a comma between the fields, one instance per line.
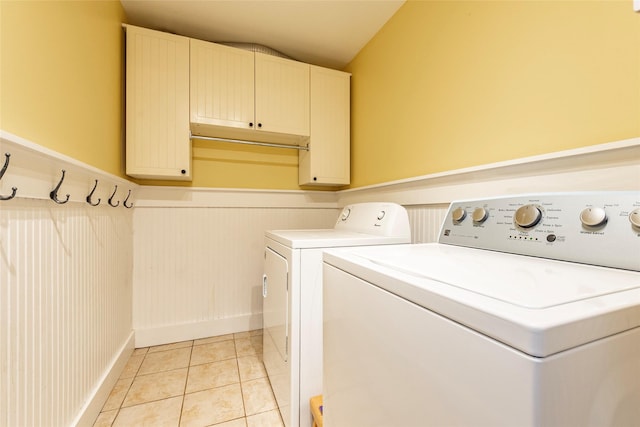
x=345, y=214
x=479, y=215
x=527, y=216
x=634, y=217
x=458, y=215
x=593, y=217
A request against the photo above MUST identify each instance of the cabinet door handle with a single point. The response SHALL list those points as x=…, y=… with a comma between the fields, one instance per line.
x=259, y=125
x=250, y=124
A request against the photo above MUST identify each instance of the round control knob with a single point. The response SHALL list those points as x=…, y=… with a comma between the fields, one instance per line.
x=345, y=214
x=593, y=217
x=527, y=216
x=381, y=215
x=458, y=215
x=634, y=217
x=479, y=215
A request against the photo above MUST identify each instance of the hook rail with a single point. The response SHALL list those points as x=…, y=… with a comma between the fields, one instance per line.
x=53, y=195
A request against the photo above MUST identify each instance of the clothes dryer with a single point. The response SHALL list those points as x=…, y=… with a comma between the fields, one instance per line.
x=525, y=313
x=292, y=291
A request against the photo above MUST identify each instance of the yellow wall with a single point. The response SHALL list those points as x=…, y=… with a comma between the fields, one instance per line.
x=61, y=80
x=453, y=84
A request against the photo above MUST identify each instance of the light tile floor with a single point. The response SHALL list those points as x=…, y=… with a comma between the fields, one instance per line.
x=218, y=381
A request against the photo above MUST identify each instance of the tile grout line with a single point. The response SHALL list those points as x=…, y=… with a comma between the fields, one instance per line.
x=186, y=381
x=244, y=407
x=120, y=406
x=127, y=392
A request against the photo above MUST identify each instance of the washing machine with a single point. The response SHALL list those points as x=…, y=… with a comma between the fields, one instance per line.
x=292, y=291
x=526, y=312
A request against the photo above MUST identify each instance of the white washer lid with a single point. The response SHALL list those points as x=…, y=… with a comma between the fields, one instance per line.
x=536, y=305
x=330, y=238
x=523, y=281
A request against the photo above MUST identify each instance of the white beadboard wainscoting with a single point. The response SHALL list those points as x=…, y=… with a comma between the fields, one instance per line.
x=425, y=221
x=198, y=265
x=65, y=289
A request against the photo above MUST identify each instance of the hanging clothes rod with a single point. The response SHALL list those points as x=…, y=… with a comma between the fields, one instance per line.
x=241, y=141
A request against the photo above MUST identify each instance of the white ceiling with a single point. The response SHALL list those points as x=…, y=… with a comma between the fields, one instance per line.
x=322, y=32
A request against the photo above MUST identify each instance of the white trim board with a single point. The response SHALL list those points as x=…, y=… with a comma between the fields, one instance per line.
x=611, y=166
x=194, y=197
x=95, y=402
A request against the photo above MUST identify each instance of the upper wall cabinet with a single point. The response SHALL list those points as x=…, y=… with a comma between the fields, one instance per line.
x=241, y=94
x=328, y=162
x=176, y=85
x=157, y=117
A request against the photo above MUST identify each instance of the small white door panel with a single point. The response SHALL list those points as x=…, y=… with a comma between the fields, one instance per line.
x=274, y=291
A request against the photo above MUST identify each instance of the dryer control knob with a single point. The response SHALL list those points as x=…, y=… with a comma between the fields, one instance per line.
x=458, y=215
x=634, y=217
x=593, y=217
x=381, y=215
x=480, y=215
x=345, y=214
x=527, y=216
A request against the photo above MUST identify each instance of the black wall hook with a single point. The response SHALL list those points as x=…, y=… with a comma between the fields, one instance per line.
x=4, y=169
x=130, y=205
x=91, y=194
x=54, y=193
x=111, y=198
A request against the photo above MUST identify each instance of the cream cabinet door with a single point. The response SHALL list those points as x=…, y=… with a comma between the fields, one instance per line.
x=282, y=95
x=222, y=85
x=157, y=127
x=328, y=160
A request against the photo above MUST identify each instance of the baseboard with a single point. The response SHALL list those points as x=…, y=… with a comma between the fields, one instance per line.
x=97, y=399
x=195, y=330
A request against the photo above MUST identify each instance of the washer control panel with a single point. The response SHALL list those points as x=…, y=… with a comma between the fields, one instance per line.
x=598, y=228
